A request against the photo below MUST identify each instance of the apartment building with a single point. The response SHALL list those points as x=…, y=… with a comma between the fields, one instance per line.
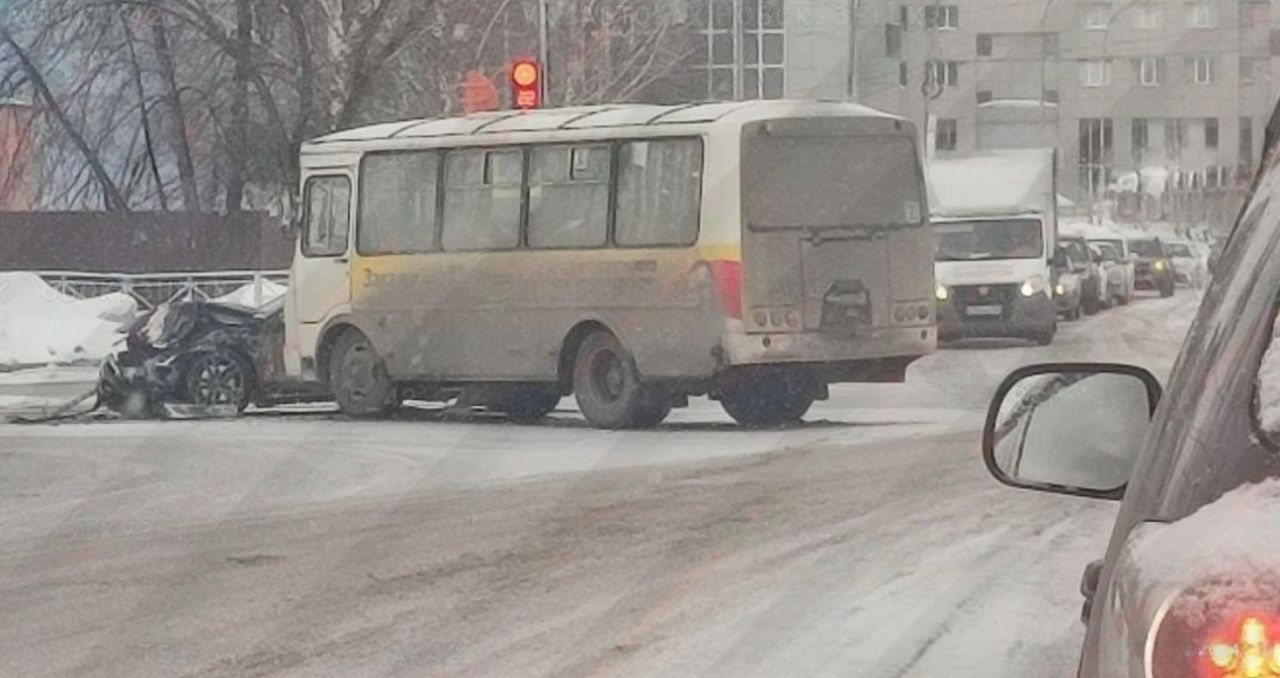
x=1178, y=85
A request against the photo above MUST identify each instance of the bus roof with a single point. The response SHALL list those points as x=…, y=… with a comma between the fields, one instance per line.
x=590, y=117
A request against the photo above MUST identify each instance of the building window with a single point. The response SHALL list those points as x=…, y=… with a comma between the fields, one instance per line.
x=944, y=74
x=1050, y=96
x=1253, y=13
x=1097, y=15
x=763, y=49
x=984, y=44
x=1201, y=70
x=941, y=16
x=1175, y=134
x=1096, y=139
x=1211, y=133
x=903, y=17
x=984, y=95
x=1150, y=17
x=1246, y=143
x=1202, y=15
x=1141, y=138
x=902, y=73
x=1095, y=73
x=1150, y=71
x=945, y=137
x=893, y=40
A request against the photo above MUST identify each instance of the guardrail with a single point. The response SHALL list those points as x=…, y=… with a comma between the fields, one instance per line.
x=152, y=289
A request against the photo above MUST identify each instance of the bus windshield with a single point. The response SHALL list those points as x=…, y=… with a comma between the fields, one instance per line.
x=832, y=182
x=988, y=240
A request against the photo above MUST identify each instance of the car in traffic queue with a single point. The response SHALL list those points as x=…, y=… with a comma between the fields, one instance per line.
x=1152, y=265
x=1087, y=267
x=1068, y=286
x=1189, y=266
x=1117, y=266
x=995, y=230
x=1190, y=583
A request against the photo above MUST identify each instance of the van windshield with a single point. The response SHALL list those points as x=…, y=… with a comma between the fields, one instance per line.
x=988, y=240
x=1146, y=248
x=831, y=182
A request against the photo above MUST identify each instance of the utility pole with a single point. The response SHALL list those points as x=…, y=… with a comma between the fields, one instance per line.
x=853, y=89
x=544, y=51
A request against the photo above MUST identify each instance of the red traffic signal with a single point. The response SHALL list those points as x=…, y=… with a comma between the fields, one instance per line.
x=526, y=83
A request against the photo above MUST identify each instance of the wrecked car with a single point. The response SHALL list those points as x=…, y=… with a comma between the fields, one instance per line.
x=214, y=358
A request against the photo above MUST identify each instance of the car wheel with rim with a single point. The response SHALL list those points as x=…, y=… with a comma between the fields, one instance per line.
x=216, y=378
x=359, y=379
x=609, y=389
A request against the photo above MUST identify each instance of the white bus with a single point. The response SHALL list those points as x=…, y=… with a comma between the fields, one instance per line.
x=630, y=255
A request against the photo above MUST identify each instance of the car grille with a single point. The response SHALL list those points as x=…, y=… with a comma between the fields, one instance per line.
x=966, y=296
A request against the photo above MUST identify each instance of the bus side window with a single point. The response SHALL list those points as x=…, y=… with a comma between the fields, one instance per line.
x=482, y=200
x=569, y=196
x=398, y=203
x=328, y=223
x=659, y=192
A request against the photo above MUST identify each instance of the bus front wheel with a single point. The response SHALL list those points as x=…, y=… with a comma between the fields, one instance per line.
x=759, y=397
x=359, y=379
x=609, y=389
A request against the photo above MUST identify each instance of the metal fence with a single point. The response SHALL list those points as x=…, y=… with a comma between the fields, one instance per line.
x=152, y=289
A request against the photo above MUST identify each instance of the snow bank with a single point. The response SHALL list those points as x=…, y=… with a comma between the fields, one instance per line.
x=40, y=325
x=246, y=296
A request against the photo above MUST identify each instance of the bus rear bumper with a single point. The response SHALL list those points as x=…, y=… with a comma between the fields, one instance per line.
x=879, y=355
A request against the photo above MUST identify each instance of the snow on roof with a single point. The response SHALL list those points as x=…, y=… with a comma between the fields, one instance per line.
x=592, y=117
x=997, y=182
x=1213, y=556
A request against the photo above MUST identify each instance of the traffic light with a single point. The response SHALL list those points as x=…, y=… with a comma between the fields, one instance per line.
x=526, y=83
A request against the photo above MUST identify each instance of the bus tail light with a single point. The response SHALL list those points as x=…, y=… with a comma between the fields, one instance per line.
x=727, y=277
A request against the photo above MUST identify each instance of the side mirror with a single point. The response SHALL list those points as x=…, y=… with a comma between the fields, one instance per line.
x=1060, y=260
x=1070, y=428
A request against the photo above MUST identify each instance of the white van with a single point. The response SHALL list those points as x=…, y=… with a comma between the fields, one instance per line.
x=995, y=229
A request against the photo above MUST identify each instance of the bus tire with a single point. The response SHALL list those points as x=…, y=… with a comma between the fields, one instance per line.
x=608, y=387
x=765, y=397
x=359, y=379
x=529, y=404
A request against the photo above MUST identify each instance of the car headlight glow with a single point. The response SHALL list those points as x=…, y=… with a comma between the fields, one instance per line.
x=1033, y=286
x=1060, y=290
x=1159, y=265
x=942, y=293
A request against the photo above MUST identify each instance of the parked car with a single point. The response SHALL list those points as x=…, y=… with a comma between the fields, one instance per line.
x=1152, y=266
x=1116, y=270
x=1087, y=265
x=1190, y=584
x=1189, y=267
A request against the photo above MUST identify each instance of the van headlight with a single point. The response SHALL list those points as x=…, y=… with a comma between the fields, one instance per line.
x=941, y=293
x=1159, y=265
x=1033, y=286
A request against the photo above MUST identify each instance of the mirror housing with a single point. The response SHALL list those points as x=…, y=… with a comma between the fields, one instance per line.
x=1070, y=428
x=1060, y=260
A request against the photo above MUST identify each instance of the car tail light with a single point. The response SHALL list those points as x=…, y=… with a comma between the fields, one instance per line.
x=727, y=278
x=1211, y=633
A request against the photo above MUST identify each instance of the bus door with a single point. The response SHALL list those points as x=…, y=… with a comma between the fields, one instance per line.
x=320, y=280
x=825, y=202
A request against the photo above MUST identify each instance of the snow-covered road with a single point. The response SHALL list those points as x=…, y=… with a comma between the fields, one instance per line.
x=869, y=542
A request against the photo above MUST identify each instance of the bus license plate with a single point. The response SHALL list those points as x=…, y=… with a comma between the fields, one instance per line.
x=984, y=311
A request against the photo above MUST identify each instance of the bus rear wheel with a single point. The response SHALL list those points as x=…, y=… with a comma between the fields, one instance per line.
x=359, y=378
x=609, y=389
x=762, y=397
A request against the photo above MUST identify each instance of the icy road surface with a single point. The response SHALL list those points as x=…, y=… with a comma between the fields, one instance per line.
x=869, y=542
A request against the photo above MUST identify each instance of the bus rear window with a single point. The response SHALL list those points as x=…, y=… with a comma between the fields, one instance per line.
x=831, y=182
